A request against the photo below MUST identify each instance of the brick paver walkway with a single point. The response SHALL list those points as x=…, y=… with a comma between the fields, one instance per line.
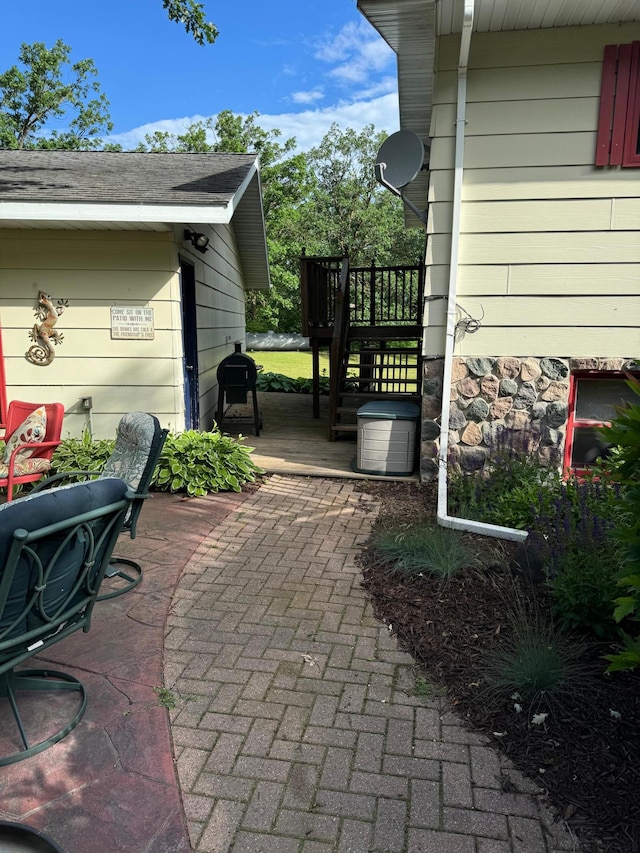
x=297, y=728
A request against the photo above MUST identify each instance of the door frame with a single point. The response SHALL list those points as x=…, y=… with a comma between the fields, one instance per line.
x=190, y=371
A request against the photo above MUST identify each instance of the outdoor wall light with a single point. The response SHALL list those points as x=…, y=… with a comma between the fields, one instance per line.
x=199, y=241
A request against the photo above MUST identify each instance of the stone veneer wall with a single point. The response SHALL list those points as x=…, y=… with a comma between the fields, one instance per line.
x=520, y=400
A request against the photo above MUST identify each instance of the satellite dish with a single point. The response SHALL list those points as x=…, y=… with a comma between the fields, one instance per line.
x=400, y=160
x=401, y=156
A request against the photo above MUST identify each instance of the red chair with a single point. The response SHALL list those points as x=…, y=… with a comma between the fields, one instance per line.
x=42, y=451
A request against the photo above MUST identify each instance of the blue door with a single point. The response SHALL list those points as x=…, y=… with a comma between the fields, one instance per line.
x=189, y=345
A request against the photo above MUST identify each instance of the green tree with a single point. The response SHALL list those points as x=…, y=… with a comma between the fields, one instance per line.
x=48, y=87
x=347, y=212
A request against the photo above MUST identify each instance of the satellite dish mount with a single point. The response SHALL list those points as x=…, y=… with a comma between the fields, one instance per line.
x=400, y=160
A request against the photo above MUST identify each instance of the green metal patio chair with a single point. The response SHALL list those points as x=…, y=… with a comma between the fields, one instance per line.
x=54, y=549
x=139, y=443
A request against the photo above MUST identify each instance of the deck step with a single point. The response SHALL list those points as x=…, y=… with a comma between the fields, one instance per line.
x=390, y=395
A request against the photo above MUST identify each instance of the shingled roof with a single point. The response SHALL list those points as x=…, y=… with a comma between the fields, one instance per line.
x=137, y=191
x=122, y=178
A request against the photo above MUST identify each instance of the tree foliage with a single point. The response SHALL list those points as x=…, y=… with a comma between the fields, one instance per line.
x=45, y=86
x=191, y=15
x=347, y=212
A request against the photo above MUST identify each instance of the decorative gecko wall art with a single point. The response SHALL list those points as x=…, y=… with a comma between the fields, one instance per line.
x=44, y=334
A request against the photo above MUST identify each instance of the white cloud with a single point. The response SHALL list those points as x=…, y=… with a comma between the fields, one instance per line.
x=357, y=52
x=307, y=97
x=307, y=126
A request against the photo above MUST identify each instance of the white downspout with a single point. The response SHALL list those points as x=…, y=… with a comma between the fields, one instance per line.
x=444, y=519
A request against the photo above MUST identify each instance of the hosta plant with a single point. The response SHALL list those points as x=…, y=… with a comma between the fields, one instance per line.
x=203, y=462
x=82, y=454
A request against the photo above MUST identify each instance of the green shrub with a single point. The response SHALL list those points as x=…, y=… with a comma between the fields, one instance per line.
x=419, y=548
x=624, y=433
x=511, y=491
x=584, y=587
x=82, y=454
x=203, y=462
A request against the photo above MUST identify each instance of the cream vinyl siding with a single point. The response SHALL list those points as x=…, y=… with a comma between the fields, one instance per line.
x=94, y=271
x=220, y=311
x=539, y=223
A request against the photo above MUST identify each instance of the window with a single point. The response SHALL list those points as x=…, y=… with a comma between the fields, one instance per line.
x=619, y=123
x=593, y=398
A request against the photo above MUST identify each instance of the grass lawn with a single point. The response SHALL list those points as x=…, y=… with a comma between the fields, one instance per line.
x=292, y=364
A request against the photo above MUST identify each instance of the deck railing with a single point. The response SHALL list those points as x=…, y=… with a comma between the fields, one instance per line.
x=377, y=296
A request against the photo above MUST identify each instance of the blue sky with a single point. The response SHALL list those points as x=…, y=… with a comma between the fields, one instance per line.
x=302, y=64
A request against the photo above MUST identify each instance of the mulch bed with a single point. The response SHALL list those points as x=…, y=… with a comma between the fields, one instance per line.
x=586, y=753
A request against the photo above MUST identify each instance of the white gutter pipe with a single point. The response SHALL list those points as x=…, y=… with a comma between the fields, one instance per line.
x=443, y=518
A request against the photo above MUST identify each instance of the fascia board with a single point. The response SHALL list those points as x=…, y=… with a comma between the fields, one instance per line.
x=253, y=172
x=69, y=212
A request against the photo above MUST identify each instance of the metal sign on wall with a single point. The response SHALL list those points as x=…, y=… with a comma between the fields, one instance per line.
x=132, y=323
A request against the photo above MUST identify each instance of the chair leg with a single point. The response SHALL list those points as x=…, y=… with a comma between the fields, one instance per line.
x=38, y=680
x=132, y=577
x=256, y=414
x=220, y=409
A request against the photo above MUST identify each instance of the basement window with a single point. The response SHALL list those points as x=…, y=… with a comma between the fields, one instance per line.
x=593, y=399
x=619, y=121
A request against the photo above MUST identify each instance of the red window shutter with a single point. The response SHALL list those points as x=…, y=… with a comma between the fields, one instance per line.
x=607, y=96
x=631, y=155
x=620, y=106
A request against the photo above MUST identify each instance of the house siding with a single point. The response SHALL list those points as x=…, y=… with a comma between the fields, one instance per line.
x=94, y=271
x=538, y=220
x=549, y=260
x=220, y=300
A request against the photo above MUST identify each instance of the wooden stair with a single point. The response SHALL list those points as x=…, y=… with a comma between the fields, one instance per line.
x=374, y=367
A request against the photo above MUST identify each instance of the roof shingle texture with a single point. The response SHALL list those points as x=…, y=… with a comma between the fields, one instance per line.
x=122, y=177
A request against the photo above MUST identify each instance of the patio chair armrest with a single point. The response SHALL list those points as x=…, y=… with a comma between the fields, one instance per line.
x=131, y=522
x=56, y=479
x=32, y=445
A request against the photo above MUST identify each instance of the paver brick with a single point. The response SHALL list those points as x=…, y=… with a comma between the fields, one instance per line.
x=456, y=786
x=411, y=768
x=475, y=822
x=228, y=787
x=345, y=805
x=426, y=804
x=389, y=832
x=379, y=785
x=223, y=755
x=261, y=768
x=301, y=787
x=368, y=754
x=526, y=835
x=490, y=800
x=290, y=750
x=303, y=824
x=254, y=842
x=263, y=808
x=330, y=737
x=337, y=768
x=428, y=841
x=218, y=833
x=400, y=737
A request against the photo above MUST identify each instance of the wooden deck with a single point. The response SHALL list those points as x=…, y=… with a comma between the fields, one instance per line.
x=293, y=442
